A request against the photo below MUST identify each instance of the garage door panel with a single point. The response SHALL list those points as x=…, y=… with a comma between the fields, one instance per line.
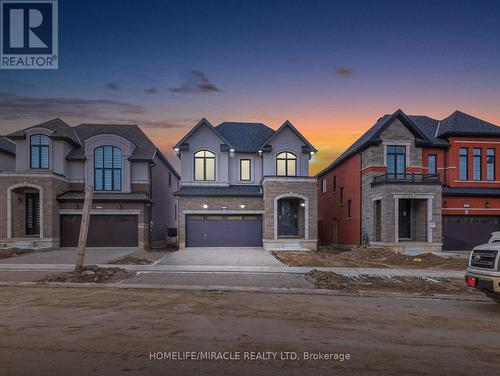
x=224, y=231
x=104, y=231
x=464, y=232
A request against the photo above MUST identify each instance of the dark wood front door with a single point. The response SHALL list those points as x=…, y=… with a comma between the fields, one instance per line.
x=288, y=217
x=32, y=213
x=404, y=219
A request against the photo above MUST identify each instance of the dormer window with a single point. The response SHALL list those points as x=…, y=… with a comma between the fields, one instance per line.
x=204, y=165
x=286, y=164
x=39, y=151
x=107, y=168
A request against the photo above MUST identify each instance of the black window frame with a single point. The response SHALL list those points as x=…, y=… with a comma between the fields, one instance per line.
x=334, y=183
x=249, y=169
x=341, y=196
x=286, y=159
x=169, y=179
x=349, y=208
x=392, y=152
x=429, y=156
x=475, y=158
x=204, y=158
x=323, y=186
x=488, y=163
x=39, y=148
x=113, y=170
x=463, y=155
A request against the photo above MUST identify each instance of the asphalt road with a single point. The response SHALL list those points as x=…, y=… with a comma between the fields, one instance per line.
x=101, y=331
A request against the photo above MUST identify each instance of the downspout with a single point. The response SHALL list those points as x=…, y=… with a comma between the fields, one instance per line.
x=151, y=165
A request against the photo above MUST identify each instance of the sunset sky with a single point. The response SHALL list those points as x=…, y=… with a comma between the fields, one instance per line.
x=331, y=68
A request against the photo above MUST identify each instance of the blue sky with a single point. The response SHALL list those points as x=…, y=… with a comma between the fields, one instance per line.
x=332, y=68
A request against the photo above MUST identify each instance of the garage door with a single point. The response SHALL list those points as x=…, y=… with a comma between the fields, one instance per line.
x=224, y=230
x=104, y=231
x=464, y=232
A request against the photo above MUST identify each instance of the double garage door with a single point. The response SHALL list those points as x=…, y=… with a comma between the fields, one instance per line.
x=104, y=230
x=223, y=230
x=464, y=232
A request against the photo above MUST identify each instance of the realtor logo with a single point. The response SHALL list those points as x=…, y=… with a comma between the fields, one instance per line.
x=29, y=37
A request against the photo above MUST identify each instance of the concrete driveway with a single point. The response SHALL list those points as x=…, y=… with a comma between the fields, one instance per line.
x=221, y=257
x=68, y=256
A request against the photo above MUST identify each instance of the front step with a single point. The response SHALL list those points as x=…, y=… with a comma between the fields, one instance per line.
x=292, y=247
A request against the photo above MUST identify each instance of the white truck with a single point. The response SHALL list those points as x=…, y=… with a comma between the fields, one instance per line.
x=483, y=272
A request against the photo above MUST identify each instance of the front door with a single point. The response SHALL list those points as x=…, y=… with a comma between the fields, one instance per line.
x=404, y=219
x=288, y=217
x=32, y=214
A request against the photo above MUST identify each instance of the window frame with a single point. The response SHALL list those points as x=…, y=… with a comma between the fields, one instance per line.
x=112, y=168
x=39, y=147
x=286, y=159
x=394, y=155
x=475, y=158
x=493, y=164
x=334, y=183
x=341, y=196
x=434, y=156
x=249, y=169
x=349, y=209
x=169, y=179
x=465, y=157
x=323, y=186
x=204, y=158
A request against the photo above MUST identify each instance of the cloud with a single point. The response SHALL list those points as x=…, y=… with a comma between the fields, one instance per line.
x=343, y=71
x=112, y=86
x=151, y=90
x=198, y=83
x=13, y=106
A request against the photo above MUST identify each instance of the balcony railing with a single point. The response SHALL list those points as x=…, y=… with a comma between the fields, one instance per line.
x=406, y=179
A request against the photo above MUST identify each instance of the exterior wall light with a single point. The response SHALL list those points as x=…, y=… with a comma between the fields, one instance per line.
x=242, y=206
x=176, y=150
x=487, y=204
x=231, y=150
x=312, y=153
x=303, y=204
x=205, y=206
x=260, y=153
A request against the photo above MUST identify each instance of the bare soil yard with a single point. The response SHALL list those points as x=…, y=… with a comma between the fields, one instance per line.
x=13, y=252
x=424, y=286
x=369, y=258
x=90, y=274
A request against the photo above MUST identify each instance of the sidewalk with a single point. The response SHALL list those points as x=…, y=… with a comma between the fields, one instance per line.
x=382, y=272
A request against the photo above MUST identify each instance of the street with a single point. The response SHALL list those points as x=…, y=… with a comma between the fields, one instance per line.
x=110, y=331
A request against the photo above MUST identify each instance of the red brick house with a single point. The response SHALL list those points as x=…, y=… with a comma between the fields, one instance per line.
x=414, y=182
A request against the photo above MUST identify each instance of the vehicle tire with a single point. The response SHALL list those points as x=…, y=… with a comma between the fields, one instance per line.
x=495, y=298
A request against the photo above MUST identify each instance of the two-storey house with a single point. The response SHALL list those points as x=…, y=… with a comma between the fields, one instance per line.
x=43, y=189
x=246, y=185
x=413, y=182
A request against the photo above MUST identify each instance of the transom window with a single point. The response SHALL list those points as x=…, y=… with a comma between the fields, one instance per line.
x=245, y=170
x=107, y=168
x=39, y=151
x=286, y=164
x=396, y=161
x=204, y=165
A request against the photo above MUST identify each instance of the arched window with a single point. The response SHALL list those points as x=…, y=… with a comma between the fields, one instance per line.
x=286, y=164
x=107, y=168
x=204, y=165
x=39, y=144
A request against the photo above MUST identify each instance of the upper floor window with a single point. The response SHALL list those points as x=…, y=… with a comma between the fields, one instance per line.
x=245, y=170
x=476, y=166
x=490, y=165
x=39, y=151
x=396, y=161
x=335, y=183
x=341, y=198
x=323, y=185
x=204, y=165
x=349, y=208
x=169, y=179
x=107, y=168
x=286, y=164
x=463, y=163
x=432, y=164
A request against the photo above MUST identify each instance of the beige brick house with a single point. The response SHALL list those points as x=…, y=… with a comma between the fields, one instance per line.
x=42, y=187
x=245, y=184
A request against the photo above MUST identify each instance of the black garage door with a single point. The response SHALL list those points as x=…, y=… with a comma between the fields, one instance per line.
x=464, y=232
x=224, y=230
x=104, y=231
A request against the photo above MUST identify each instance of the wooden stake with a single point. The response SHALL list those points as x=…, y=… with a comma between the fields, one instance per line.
x=84, y=227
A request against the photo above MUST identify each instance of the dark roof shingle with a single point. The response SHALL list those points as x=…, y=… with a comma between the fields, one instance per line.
x=7, y=145
x=60, y=130
x=245, y=137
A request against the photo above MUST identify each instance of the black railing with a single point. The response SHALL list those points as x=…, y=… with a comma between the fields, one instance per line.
x=406, y=179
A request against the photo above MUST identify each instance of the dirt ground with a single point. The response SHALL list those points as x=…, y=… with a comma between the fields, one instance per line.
x=91, y=273
x=132, y=260
x=98, y=331
x=369, y=258
x=13, y=252
x=361, y=283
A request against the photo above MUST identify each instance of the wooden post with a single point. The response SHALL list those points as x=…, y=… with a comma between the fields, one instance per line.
x=84, y=227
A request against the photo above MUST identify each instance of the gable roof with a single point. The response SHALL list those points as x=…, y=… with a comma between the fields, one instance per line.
x=245, y=137
x=7, y=146
x=432, y=132
x=201, y=123
x=60, y=130
x=289, y=125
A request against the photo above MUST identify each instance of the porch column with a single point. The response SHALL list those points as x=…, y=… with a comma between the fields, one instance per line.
x=396, y=220
x=429, y=220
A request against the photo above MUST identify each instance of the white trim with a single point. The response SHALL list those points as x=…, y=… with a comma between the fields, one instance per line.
x=430, y=223
x=9, y=206
x=476, y=181
x=298, y=179
x=221, y=212
x=34, y=174
x=476, y=142
x=396, y=220
x=468, y=209
x=414, y=195
x=306, y=212
x=398, y=143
